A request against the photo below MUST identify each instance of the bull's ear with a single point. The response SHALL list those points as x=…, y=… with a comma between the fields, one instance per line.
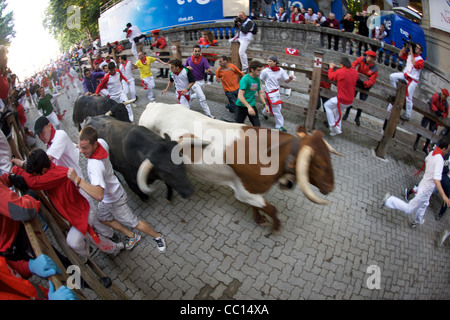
x=167, y=137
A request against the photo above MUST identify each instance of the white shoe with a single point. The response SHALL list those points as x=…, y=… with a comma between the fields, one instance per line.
x=386, y=196
x=414, y=224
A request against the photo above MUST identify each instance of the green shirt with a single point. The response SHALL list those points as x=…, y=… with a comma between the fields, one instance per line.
x=250, y=86
x=45, y=104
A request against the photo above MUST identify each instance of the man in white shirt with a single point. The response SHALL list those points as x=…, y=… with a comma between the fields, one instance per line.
x=135, y=36
x=272, y=76
x=104, y=187
x=434, y=163
x=310, y=17
x=246, y=28
x=126, y=67
x=112, y=82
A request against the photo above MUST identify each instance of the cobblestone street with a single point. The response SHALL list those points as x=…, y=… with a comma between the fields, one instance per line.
x=216, y=251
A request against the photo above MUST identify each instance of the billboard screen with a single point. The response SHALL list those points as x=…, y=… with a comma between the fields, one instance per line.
x=149, y=15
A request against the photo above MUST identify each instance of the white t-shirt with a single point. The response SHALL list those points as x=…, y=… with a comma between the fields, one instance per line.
x=433, y=171
x=272, y=78
x=127, y=70
x=65, y=152
x=101, y=173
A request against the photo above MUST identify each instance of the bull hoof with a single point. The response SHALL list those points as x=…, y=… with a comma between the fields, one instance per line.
x=278, y=231
x=262, y=221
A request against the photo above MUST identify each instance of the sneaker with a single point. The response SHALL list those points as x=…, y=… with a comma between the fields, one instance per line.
x=212, y=117
x=283, y=129
x=386, y=196
x=414, y=223
x=264, y=115
x=404, y=118
x=132, y=241
x=161, y=243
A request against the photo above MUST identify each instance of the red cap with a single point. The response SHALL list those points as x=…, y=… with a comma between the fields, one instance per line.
x=445, y=91
x=371, y=53
x=155, y=31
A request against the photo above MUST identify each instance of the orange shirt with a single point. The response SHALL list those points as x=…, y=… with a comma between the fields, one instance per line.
x=229, y=77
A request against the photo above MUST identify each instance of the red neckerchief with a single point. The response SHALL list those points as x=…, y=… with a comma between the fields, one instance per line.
x=52, y=135
x=196, y=60
x=144, y=61
x=436, y=151
x=99, y=153
x=274, y=69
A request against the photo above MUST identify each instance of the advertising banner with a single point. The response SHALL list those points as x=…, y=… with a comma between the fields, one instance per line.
x=149, y=15
x=440, y=14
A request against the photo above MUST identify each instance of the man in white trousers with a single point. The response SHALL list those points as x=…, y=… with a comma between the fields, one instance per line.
x=411, y=74
x=246, y=30
x=144, y=64
x=199, y=65
x=434, y=163
x=112, y=83
x=126, y=67
x=272, y=76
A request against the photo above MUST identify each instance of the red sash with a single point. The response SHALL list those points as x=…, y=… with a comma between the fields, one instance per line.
x=187, y=96
x=409, y=79
x=339, y=109
x=270, y=101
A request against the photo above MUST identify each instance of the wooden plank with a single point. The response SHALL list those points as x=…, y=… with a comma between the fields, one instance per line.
x=88, y=275
x=391, y=126
x=315, y=91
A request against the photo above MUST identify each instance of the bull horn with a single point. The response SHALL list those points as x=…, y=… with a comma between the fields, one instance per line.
x=109, y=113
x=142, y=174
x=331, y=149
x=302, y=168
x=129, y=101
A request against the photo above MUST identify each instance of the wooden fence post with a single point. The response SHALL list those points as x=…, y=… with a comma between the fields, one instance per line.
x=176, y=50
x=393, y=120
x=235, y=59
x=314, y=91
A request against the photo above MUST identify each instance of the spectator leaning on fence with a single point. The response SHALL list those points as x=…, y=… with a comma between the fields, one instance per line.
x=281, y=15
x=363, y=29
x=365, y=65
x=296, y=16
x=438, y=104
x=347, y=25
x=310, y=17
x=346, y=78
x=333, y=23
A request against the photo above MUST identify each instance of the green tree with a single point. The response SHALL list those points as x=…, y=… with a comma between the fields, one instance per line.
x=6, y=25
x=71, y=21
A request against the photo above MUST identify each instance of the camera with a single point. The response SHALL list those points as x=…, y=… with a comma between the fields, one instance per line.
x=236, y=21
x=409, y=42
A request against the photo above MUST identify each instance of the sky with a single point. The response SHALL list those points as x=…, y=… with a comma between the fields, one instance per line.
x=33, y=46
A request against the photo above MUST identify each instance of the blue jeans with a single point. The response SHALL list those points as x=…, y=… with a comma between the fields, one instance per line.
x=232, y=97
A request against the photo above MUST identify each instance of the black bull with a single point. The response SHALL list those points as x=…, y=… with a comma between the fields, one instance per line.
x=141, y=156
x=90, y=106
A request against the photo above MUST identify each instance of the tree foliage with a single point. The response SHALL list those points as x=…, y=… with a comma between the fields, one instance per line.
x=6, y=25
x=71, y=21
